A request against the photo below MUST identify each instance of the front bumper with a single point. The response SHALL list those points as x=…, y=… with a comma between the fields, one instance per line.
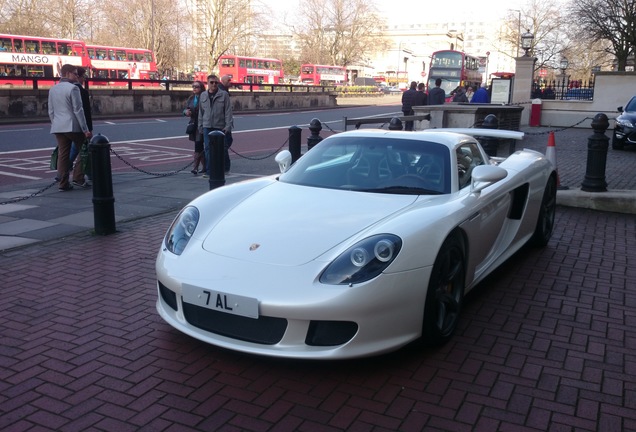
x=298, y=317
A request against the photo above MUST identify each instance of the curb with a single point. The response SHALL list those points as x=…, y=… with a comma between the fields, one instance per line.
x=617, y=201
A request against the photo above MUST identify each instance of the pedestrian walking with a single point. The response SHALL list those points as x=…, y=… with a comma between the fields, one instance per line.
x=409, y=98
x=215, y=113
x=68, y=124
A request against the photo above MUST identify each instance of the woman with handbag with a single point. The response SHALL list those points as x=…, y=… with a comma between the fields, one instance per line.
x=192, y=130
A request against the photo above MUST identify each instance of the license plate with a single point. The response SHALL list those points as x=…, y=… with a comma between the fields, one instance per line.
x=220, y=301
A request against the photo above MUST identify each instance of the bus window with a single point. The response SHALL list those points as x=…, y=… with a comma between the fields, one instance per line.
x=63, y=48
x=78, y=50
x=32, y=46
x=48, y=47
x=139, y=57
x=91, y=53
x=131, y=57
x=18, y=45
x=121, y=55
x=5, y=44
x=241, y=63
x=147, y=57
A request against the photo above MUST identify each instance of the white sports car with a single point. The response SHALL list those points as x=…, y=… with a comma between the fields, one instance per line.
x=366, y=243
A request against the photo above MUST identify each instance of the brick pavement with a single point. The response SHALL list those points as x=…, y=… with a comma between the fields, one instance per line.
x=545, y=344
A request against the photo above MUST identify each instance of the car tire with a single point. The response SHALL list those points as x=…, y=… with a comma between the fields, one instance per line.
x=445, y=293
x=617, y=144
x=547, y=212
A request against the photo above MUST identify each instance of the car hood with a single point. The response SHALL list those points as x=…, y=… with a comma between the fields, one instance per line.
x=290, y=225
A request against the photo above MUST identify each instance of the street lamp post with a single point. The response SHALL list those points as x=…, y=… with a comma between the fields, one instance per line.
x=563, y=66
x=526, y=42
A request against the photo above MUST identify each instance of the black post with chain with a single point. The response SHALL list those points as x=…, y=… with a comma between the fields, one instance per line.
x=103, y=199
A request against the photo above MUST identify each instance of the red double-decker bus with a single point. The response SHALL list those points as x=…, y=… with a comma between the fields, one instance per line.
x=251, y=70
x=313, y=74
x=455, y=68
x=122, y=63
x=23, y=57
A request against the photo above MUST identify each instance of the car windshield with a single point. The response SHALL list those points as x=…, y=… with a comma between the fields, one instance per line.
x=377, y=164
x=631, y=106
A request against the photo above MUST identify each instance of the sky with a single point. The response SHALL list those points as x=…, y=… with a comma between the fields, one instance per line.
x=414, y=11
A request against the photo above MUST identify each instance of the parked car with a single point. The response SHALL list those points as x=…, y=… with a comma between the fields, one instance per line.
x=579, y=94
x=625, y=128
x=367, y=243
x=391, y=90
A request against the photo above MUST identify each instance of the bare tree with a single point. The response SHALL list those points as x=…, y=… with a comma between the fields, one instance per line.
x=613, y=21
x=66, y=18
x=339, y=32
x=544, y=20
x=227, y=27
x=23, y=17
x=144, y=24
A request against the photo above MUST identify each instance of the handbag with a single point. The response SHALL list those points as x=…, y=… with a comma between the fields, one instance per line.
x=53, y=163
x=191, y=128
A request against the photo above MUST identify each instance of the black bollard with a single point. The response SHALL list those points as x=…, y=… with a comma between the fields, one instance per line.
x=294, y=142
x=103, y=199
x=490, y=144
x=216, y=166
x=395, y=124
x=597, y=145
x=314, y=127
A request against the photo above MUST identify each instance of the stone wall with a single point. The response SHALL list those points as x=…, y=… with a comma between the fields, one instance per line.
x=611, y=90
x=22, y=104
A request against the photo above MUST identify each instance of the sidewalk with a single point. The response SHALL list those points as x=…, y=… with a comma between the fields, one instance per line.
x=52, y=215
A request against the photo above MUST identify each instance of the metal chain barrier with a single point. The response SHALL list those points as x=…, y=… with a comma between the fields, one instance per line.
x=166, y=174
x=262, y=157
x=34, y=194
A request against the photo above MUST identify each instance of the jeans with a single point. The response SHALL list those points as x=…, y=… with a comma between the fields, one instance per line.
x=227, y=145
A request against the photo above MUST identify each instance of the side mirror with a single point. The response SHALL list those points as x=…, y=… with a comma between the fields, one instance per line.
x=283, y=159
x=486, y=175
x=620, y=109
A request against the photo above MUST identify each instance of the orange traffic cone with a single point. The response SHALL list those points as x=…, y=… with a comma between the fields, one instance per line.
x=550, y=154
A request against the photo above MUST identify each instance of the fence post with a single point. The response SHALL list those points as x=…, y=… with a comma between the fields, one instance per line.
x=294, y=142
x=216, y=164
x=314, y=127
x=490, y=144
x=103, y=199
x=597, y=145
x=395, y=124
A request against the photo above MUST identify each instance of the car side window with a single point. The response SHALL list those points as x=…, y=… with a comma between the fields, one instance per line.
x=468, y=157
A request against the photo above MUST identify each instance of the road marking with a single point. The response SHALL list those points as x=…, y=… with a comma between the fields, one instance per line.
x=8, y=174
x=21, y=130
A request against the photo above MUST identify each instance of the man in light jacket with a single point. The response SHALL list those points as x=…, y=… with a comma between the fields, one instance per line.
x=215, y=113
x=68, y=124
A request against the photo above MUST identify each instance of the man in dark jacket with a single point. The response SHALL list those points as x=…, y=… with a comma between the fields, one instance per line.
x=215, y=113
x=409, y=98
x=437, y=95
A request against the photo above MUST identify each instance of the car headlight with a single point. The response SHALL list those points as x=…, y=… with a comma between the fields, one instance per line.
x=625, y=122
x=181, y=230
x=362, y=261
